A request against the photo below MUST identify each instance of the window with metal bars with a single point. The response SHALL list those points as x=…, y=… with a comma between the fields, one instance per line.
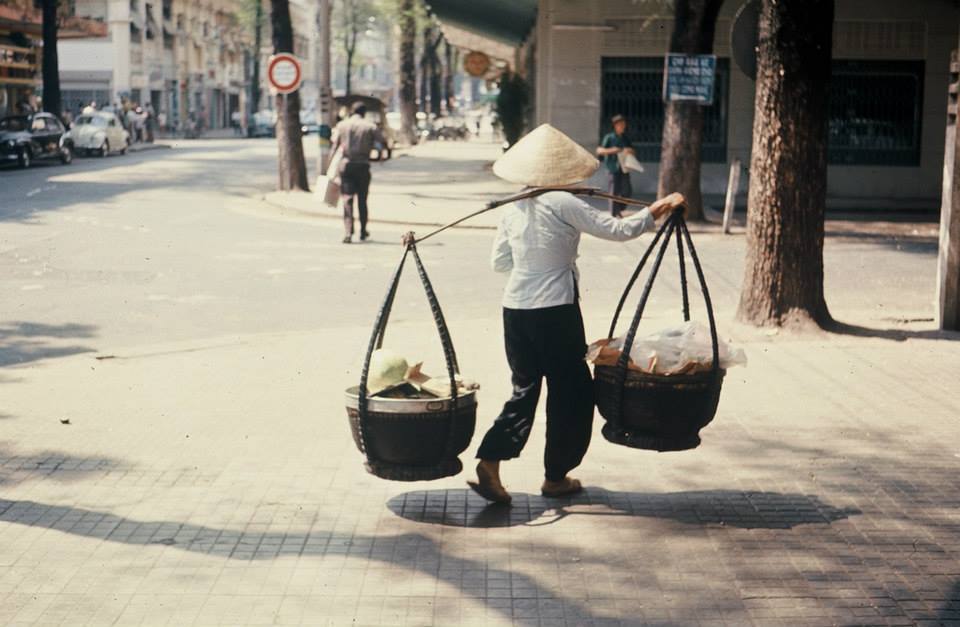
x=876, y=109
x=633, y=87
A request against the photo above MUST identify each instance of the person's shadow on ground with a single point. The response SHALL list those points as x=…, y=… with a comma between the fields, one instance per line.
x=730, y=508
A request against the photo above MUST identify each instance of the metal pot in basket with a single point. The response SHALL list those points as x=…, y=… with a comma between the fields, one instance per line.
x=413, y=439
x=651, y=411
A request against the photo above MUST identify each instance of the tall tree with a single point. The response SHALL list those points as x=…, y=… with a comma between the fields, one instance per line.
x=292, y=166
x=436, y=78
x=431, y=97
x=424, y=67
x=257, y=26
x=449, y=59
x=511, y=106
x=51, y=67
x=783, y=282
x=693, y=31
x=408, y=70
x=352, y=18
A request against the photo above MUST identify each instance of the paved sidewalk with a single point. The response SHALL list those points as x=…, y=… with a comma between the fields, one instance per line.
x=217, y=484
x=211, y=479
x=430, y=184
x=434, y=183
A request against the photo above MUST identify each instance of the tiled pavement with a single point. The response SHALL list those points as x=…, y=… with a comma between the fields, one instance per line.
x=821, y=496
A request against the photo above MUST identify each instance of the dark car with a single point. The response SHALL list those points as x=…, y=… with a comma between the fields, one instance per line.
x=25, y=138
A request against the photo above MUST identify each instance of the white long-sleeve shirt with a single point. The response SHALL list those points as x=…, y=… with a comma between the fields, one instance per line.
x=537, y=243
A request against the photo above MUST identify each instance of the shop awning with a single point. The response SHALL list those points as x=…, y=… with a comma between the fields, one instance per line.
x=508, y=21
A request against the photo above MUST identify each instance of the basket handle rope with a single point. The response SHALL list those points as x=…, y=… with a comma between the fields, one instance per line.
x=379, y=331
x=675, y=223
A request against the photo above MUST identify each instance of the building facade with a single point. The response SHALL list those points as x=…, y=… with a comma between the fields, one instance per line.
x=887, y=104
x=188, y=58
x=20, y=56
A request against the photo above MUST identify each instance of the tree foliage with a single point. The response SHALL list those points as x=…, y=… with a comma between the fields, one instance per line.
x=351, y=19
x=511, y=106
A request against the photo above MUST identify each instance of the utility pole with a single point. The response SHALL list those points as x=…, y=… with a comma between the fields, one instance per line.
x=948, y=262
x=327, y=117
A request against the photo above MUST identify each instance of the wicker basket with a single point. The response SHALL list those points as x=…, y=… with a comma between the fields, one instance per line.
x=659, y=412
x=411, y=439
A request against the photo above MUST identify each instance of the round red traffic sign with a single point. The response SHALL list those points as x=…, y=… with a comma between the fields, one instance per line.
x=284, y=73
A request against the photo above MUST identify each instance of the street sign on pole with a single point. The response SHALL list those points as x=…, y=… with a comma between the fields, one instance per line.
x=689, y=77
x=284, y=73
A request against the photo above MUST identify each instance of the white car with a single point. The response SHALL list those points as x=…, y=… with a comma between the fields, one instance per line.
x=99, y=133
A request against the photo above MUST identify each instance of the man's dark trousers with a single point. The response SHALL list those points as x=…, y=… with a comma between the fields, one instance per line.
x=619, y=185
x=355, y=183
x=547, y=343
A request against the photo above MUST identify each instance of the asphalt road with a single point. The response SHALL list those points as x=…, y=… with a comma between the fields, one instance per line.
x=173, y=245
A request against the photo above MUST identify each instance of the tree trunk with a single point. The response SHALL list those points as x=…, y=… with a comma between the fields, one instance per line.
x=292, y=166
x=680, y=153
x=51, y=66
x=449, y=98
x=255, y=73
x=425, y=70
x=349, y=71
x=408, y=71
x=783, y=282
x=436, y=80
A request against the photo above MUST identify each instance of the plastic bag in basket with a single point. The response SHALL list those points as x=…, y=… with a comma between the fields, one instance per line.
x=681, y=349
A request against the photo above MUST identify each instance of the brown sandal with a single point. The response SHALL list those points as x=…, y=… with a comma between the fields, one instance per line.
x=491, y=492
x=489, y=488
x=557, y=489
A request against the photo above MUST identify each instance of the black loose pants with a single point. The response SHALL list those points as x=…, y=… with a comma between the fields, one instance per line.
x=618, y=184
x=547, y=343
x=355, y=183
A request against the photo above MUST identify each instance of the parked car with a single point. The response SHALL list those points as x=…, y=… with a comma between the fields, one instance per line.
x=308, y=122
x=376, y=113
x=24, y=138
x=100, y=132
x=264, y=124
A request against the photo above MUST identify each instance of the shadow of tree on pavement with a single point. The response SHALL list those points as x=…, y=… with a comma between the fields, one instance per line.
x=25, y=342
x=411, y=551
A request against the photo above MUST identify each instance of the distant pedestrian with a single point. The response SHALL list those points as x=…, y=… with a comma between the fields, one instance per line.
x=149, y=121
x=611, y=146
x=356, y=137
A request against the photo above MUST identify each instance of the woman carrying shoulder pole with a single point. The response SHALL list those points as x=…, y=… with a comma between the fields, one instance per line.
x=537, y=243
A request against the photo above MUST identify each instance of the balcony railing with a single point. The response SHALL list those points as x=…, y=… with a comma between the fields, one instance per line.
x=18, y=65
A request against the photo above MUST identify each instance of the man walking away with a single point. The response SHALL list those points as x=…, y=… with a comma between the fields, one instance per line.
x=356, y=137
x=612, y=145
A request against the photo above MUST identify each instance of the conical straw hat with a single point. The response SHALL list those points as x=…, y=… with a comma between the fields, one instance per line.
x=545, y=156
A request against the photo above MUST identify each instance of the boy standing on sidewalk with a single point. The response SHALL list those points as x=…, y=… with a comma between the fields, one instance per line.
x=610, y=147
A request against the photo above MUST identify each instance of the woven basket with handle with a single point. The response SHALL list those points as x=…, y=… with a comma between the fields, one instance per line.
x=650, y=411
x=411, y=439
